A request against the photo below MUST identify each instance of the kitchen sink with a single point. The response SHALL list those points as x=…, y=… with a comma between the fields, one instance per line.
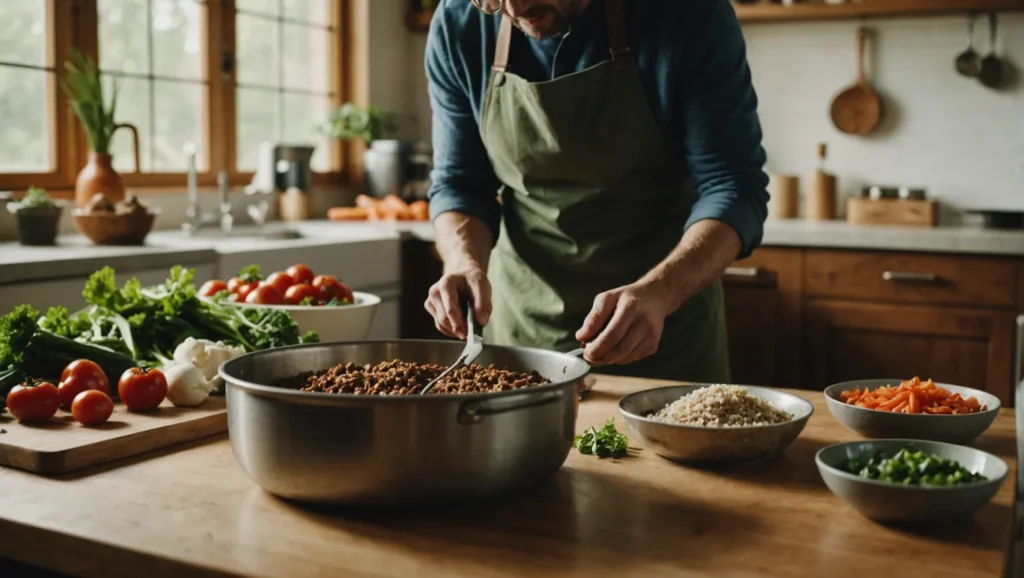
x=250, y=231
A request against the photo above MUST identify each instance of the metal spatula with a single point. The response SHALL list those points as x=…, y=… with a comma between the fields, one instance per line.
x=474, y=346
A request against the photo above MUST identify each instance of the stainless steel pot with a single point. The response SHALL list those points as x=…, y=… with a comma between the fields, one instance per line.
x=357, y=449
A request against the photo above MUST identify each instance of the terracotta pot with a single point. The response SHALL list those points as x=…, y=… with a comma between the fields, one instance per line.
x=99, y=176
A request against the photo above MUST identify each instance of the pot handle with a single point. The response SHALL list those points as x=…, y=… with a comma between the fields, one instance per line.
x=475, y=411
x=135, y=141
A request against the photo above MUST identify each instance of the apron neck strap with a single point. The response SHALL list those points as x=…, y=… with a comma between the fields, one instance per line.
x=615, y=19
x=503, y=46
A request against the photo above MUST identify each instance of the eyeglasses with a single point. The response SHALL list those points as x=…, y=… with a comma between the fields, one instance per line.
x=489, y=6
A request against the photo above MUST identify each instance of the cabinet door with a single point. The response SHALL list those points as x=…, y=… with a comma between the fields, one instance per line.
x=762, y=312
x=848, y=340
x=421, y=268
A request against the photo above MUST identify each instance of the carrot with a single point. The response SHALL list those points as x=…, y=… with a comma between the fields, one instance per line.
x=914, y=397
x=347, y=214
x=420, y=210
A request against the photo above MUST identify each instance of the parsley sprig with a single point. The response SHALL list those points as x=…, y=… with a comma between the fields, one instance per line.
x=604, y=442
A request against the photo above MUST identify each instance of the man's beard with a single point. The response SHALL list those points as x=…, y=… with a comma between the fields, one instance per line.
x=555, y=20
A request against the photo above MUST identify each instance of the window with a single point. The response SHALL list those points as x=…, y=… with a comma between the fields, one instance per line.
x=283, y=88
x=223, y=76
x=26, y=84
x=153, y=51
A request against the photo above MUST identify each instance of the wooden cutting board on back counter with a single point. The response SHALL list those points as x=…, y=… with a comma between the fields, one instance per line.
x=61, y=445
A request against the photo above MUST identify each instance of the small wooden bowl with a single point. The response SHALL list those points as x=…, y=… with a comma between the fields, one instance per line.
x=115, y=229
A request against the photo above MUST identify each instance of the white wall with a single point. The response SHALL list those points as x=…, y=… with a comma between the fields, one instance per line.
x=963, y=142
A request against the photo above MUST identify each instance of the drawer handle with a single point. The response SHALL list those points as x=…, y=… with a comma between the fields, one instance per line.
x=912, y=277
x=743, y=271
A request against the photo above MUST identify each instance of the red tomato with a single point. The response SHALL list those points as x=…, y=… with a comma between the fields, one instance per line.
x=211, y=288
x=81, y=375
x=33, y=401
x=235, y=283
x=332, y=287
x=300, y=273
x=142, y=389
x=296, y=293
x=265, y=294
x=92, y=407
x=281, y=281
x=244, y=290
x=345, y=294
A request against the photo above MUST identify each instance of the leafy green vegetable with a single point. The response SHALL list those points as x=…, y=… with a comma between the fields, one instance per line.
x=910, y=467
x=29, y=349
x=34, y=198
x=250, y=274
x=604, y=442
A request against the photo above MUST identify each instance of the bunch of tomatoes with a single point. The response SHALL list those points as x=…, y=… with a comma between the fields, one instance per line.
x=295, y=286
x=84, y=390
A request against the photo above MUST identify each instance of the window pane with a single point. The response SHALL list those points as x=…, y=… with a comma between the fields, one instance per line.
x=256, y=40
x=122, y=34
x=24, y=131
x=312, y=11
x=132, y=108
x=303, y=114
x=306, y=58
x=176, y=39
x=257, y=122
x=23, y=32
x=178, y=120
x=271, y=7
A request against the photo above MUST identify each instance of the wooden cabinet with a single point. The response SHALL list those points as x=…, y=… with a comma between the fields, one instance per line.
x=421, y=268
x=813, y=317
x=847, y=340
x=762, y=312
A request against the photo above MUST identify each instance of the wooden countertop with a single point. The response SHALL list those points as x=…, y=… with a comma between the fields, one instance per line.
x=192, y=510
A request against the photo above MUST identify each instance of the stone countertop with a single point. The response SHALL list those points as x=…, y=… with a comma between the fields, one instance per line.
x=840, y=235
x=74, y=256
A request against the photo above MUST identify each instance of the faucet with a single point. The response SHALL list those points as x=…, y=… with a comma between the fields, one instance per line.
x=226, y=218
x=193, y=214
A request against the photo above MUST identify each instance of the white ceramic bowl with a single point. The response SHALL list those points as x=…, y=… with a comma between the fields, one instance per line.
x=874, y=423
x=341, y=323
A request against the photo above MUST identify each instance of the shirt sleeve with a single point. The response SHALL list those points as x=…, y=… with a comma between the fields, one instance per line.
x=462, y=179
x=722, y=132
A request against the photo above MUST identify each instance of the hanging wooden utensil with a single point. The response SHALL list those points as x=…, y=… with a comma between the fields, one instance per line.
x=857, y=109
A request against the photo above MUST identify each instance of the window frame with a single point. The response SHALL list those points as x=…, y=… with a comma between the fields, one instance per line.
x=76, y=22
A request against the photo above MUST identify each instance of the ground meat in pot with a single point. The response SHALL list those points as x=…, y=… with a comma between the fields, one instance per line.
x=404, y=378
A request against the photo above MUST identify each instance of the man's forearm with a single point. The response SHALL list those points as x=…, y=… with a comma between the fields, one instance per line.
x=706, y=250
x=464, y=242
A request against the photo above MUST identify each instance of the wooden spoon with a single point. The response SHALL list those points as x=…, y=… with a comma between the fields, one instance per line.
x=857, y=109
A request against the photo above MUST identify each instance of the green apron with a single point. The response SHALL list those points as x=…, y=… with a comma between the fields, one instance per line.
x=592, y=199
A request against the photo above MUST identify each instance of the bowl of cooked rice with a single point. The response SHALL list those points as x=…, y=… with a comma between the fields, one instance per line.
x=715, y=423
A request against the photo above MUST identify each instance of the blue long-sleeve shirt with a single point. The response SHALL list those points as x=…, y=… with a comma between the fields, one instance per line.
x=692, y=60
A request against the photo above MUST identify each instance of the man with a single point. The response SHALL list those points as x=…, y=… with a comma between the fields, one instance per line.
x=622, y=137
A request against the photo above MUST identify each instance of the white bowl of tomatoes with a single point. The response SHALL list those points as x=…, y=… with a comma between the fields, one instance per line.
x=319, y=303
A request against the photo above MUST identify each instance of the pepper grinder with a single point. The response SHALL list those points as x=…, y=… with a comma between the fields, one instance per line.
x=821, y=197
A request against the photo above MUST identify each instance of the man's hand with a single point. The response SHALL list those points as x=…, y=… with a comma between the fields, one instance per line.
x=633, y=317
x=625, y=324
x=444, y=298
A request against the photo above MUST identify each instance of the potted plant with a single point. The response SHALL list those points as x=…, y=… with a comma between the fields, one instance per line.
x=384, y=160
x=38, y=217
x=84, y=90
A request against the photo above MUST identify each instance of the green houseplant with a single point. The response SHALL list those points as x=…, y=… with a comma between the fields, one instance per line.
x=84, y=90
x=367, y=123
x=38, y=217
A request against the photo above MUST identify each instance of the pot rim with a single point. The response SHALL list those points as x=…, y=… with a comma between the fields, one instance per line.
x=349, y=398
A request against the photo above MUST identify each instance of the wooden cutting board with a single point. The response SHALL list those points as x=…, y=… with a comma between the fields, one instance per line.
x=62, y=445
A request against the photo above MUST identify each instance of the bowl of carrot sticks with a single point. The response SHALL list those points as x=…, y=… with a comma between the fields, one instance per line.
x=912, y=409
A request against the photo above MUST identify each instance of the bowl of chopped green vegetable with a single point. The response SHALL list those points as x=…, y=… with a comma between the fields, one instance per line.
x=899, y=480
